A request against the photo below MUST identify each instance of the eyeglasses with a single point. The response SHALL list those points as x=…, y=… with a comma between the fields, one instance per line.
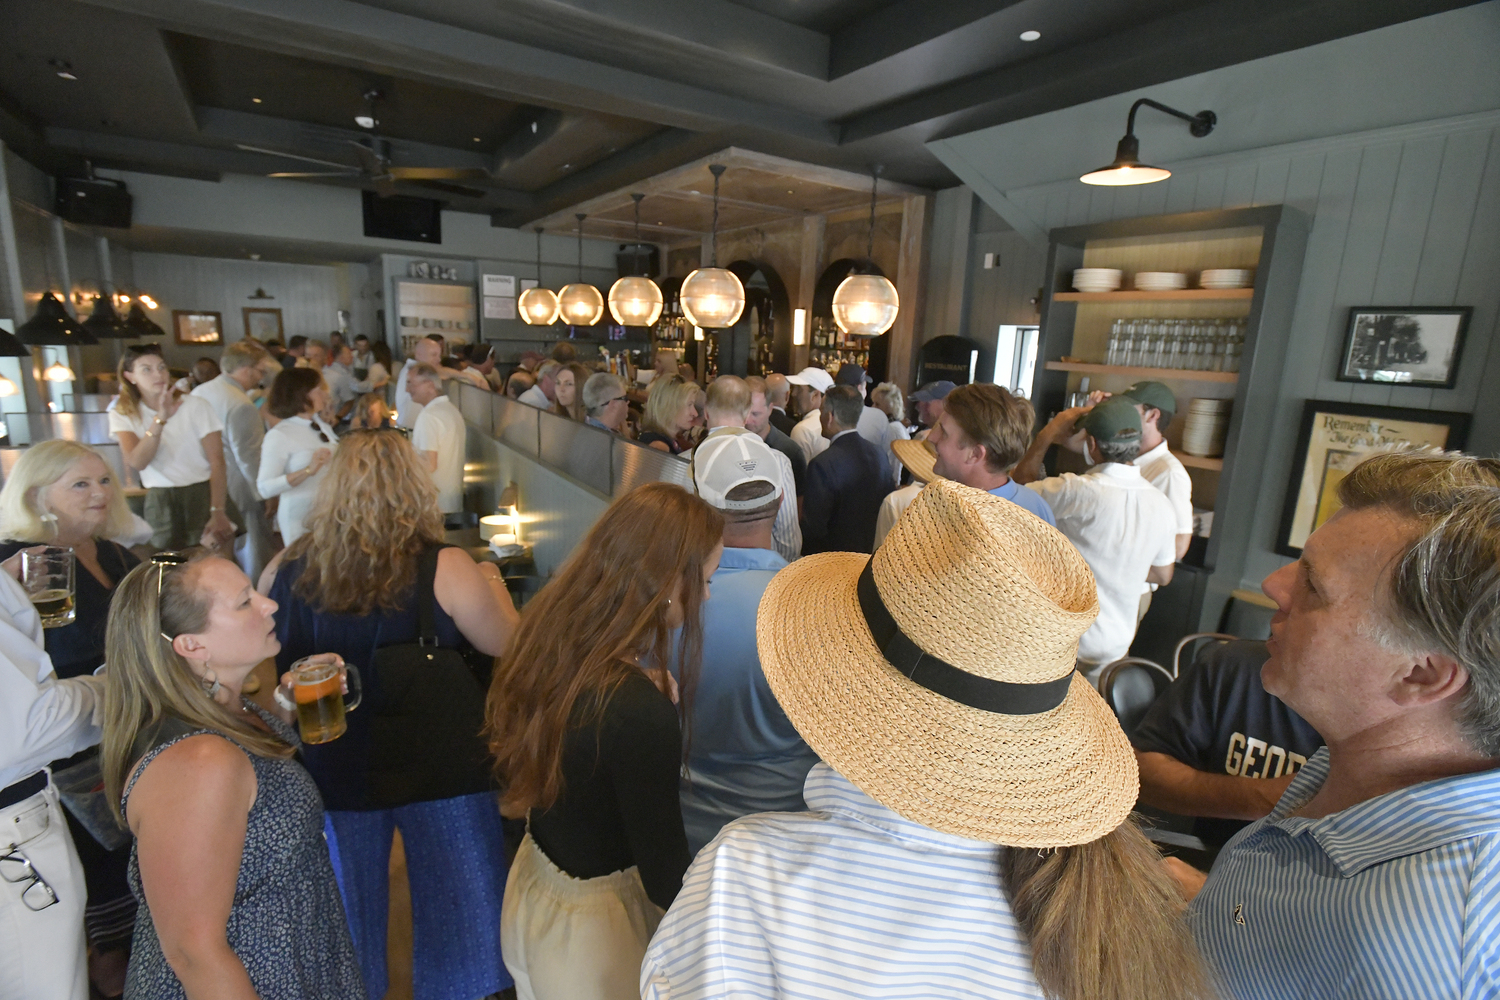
x=16, y=868
x=615, y=399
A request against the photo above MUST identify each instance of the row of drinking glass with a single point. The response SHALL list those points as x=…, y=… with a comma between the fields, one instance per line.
x=1204, y=345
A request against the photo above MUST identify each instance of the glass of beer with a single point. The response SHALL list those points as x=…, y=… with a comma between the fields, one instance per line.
x=321, y=703
x=48, y=576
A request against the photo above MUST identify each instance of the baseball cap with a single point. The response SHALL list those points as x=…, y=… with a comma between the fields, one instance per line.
x=1114, y=419
x=851, y=374
x=1152, y=394
x=723, y=461
x=933, y=391
x=816, y=377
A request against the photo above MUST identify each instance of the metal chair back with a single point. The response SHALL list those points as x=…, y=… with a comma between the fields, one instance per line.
x=1130, y=685
x=1193, y=640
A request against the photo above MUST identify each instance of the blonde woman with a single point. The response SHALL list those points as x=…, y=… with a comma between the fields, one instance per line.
x=371, y=412
x=350, y=585
x=887, y=399
x=238, y=899
x=175, y=443
x=671, y=411
x=63, y=493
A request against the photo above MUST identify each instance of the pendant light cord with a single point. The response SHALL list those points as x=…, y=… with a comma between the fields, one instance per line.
x=870, y=242
x=539, y=256
x=717, y=169
x=581, y=217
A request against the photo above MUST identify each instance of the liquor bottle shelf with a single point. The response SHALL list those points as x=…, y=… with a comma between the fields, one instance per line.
x=1176, y=295
x=1128, y=371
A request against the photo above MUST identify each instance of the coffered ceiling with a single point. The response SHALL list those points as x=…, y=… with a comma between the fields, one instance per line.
x=525, y=109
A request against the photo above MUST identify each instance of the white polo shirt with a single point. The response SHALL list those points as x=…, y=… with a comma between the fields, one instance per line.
x=535, y=397
x=440, y=428
x=808, y=434
x=180, y=459
x=1122, y=525
x=1164, y=470
x=407, y=409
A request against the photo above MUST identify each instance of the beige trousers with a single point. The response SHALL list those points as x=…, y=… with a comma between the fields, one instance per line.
x=565, y=938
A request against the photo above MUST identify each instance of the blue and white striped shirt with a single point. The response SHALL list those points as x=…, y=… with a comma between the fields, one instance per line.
x=1396, y=897
x=849, y=900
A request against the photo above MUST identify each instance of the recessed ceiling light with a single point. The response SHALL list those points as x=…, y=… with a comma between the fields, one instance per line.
x=1030, y=36
x=63, y=68
x=364, y=121
x=567, y=166
x=790, y=191
x=476, y=138
x=255, y=100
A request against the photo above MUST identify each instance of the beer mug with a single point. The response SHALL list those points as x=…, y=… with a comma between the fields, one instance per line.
x=320, y=700
x=48, y=577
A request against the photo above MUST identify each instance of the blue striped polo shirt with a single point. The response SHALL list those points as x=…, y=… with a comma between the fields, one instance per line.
x=849, y=900
x=1396, y=897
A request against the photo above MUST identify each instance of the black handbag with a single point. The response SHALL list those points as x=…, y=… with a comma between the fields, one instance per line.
x=425, y=726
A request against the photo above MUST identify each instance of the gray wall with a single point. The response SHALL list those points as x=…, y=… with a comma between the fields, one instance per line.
x=1404, y=214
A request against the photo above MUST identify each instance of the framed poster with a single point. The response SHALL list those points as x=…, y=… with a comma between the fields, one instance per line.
x=1409, y=345
x=197, y=327
x=1334, y=438
x=262, y=324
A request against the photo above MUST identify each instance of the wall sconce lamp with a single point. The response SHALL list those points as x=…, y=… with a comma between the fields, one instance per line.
x=1128, y=168
x=799, y=327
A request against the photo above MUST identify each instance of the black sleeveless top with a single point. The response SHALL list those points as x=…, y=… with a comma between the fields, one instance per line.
x=78, y=649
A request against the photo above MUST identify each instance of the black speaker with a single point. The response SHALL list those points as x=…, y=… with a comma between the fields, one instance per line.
x=93, y=202
x=638, y=260
x=401, y=217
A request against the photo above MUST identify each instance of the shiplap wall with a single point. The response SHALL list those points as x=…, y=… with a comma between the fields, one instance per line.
x=1401, y=216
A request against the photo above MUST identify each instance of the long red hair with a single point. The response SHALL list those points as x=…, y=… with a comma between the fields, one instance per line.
x=607, y=605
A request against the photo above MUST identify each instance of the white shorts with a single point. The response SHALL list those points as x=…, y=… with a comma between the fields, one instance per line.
x=566, y=938
x=42, y=952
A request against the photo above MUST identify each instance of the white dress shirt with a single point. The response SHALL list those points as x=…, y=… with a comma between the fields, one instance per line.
x=244, y=431
x=407, y=408
x=1123, y=526
x=536, y=397
x=440, y=429
x=288, y=448
x=808, y=434
x=1164, y=470
x=180, y=459
x=41, y=718
x=848, y=900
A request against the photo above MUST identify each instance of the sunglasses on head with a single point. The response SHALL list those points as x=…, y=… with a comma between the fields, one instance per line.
x=163, y=561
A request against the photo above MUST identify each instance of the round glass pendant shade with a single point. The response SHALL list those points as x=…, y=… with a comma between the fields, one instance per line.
x=712, y=297
x=865, y=305
x=581, y=304
x=635, y=301
x=538, y=306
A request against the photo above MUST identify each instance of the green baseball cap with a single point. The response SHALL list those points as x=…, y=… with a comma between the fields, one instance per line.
x=1114, y=419
x=1152, y=394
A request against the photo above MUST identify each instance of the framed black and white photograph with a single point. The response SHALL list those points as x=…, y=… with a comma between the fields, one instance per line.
x=1334, y=438
x=1405, y=345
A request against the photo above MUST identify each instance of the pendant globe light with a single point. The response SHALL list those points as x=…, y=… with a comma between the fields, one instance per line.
x=713, y=297
x=865, y=305
x=105, y=323
x=538, y=305
x=580, y=303
x=52, y=325
x=636, y=300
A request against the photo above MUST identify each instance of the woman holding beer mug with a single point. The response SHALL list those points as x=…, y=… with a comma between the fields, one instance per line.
x=62, y=493
x=350, y=586
x=237, y=894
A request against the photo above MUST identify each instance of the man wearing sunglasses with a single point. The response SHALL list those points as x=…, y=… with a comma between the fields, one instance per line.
x=42, y=895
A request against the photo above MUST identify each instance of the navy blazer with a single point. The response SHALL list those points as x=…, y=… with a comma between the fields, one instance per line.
x=845, y=485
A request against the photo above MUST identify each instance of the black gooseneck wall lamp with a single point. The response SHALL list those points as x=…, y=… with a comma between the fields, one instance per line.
x=1128, y=168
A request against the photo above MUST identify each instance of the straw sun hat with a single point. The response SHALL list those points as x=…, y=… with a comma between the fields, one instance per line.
x=919, y=457
x=977, y=598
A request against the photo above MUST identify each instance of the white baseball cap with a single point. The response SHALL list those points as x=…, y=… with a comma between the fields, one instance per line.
x=726, y=460
x=816, y=377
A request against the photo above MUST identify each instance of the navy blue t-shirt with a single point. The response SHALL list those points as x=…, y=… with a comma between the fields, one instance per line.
x=1217, y=717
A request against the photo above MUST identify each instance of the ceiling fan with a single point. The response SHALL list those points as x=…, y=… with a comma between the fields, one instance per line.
x=374, y=163
x=374, y=167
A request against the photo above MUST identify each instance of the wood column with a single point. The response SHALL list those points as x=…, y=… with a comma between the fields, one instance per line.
x=911, y=286
x=814, y=228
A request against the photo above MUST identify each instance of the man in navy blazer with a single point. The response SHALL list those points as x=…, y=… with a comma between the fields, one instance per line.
x=845, y=483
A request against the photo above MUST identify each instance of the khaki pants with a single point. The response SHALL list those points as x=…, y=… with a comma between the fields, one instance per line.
x=177, y=514
x=566, y=938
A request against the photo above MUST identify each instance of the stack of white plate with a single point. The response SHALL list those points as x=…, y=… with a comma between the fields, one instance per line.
x=1226, y=277
x=1097, y=279
x=1206, y=425
x=1160, y=281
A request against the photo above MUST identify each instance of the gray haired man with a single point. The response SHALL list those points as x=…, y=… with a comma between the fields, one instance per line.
x=242, y=366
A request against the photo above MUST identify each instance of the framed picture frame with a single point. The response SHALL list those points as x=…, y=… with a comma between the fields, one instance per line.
x=1334, y=438
x=262, y=324
x=1404, y=345
x=197, y=327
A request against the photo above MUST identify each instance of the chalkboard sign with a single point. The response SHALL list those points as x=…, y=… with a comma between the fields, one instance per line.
x=950, y=358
